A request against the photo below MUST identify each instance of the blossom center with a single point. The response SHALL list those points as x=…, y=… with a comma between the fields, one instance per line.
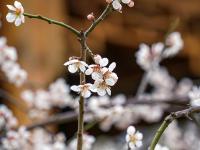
x=18, y=12
x=133, y=138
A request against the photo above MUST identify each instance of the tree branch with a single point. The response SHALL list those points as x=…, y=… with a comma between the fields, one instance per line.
x=81, y=101
x=51, y=21
x=56, y=119
x=72, y=115
x=12, y=100
x=97, y=21
x=175, y=115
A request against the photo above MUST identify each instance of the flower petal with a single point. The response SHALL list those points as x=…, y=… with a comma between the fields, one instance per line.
x=116, y=5
x=22, y=18
x=101, y=92
x=75, y=88
x=18, y=5
x=131, y=130
x=86, y=94
x=126, y=1
x=10, y=7
x=131, y=145
x=103, y=62
x=138, y=143
x=110, y=81
x=18, y=21
x=89, y=71
x=112, y=66
x=139, y=136
x=82, y=68
x=10, y=17
x=72, y=68
x=108, y=91
x=97, y=76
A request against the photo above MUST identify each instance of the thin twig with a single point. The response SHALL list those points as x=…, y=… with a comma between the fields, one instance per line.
x=142, y=85
x=175, y=115
x=97, y=21
x=51, y=21
x=89, y=51
x=81, y=101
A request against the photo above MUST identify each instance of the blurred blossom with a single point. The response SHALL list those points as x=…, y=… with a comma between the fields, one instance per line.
x=9, y=65
x=148, y=57
x=160, y=79
x=194, y=96
x=174, y=43
x=57, y=95
x=7, y=120
x=173, y=137
x=16, y=139
x=88, y=142
x=184, y=87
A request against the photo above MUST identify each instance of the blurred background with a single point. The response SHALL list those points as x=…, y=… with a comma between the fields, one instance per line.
x=44, y=48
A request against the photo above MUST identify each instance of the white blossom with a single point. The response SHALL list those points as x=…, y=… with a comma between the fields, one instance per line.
x=117, y=4
x=15, y=14
x=83, y=89
x=174, y=43
x=14, y=73
x=16, y=139
x=96, y=69
x=148, y=57
x=160, y=78
x=7, y=120
x=8, y=64
x=101, y=87
x=75, y=65
x=194, y=96
x=60, y=93
x=133, y=138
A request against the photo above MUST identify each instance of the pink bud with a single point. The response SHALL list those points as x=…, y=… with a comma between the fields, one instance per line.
x=109, y=1
x=131, y=4
x=91, y=17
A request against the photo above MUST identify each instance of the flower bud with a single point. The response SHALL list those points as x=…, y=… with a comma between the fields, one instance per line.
x=91, y=17
x=131, y=4
x=109, y=1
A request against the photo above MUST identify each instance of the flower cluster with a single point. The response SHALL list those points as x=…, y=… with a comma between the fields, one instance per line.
x=111, y=112
x=103, y=76
x=133, y=138
x=8, y=64
x=16, y=14
x=38, y=139
x=194, y=96
x=16, y=139
x=7, y=120
x=57, y=95
x=117, y=4
x=149, y=57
